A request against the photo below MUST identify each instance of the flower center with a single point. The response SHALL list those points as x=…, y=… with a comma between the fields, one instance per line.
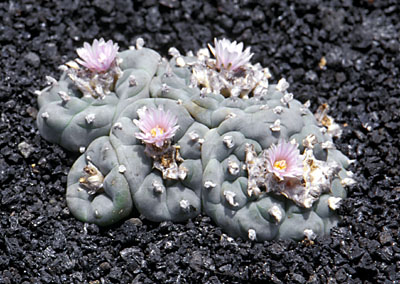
x=102, y=57
x=156, y=130
x=280, y=165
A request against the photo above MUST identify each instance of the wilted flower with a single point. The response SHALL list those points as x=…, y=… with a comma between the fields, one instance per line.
x=99, y=56
x=230, y=55
x=284, y=160
x=157, y=126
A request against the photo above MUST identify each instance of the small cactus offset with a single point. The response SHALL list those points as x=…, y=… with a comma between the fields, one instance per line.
x=194, y=134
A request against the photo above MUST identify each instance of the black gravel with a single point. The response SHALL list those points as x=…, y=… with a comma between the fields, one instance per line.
x=40, y=242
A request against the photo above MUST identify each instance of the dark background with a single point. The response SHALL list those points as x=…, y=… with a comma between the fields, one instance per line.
x=40, y=242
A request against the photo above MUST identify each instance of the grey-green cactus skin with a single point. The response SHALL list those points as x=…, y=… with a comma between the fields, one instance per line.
x=114, y=202
x=176, y=200
x=252, y=213
x=68, y=122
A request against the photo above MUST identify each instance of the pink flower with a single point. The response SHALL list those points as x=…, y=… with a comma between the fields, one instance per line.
x=157, y=126
x=99, y=56
x=230, y=55
x=284, y=160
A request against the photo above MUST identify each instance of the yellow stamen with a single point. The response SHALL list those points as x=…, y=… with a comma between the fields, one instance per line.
x=153, y=132
x=280, y=165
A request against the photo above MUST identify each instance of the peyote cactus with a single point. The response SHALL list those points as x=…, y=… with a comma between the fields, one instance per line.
x=83, y=104
x=246, y=191
x=196, y=134
x=164, y=187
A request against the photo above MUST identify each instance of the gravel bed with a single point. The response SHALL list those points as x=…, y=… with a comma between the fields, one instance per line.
x=344, y=53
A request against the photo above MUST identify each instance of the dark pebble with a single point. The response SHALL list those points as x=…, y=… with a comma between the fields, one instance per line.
x=33, y=59
x=105, y=6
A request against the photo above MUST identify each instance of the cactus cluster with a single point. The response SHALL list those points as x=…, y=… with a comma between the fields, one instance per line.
x=174, y=138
